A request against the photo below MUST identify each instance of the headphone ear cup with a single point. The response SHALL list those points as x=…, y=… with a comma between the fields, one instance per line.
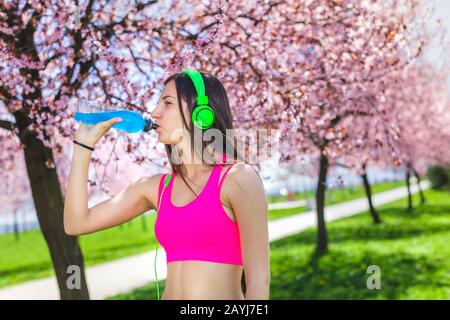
x=203, y=117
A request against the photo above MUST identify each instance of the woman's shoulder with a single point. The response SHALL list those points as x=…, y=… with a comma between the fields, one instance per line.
x=149, y=186
x=243, y=175
x=242, y=184
x=244, y=172
x=150, y=181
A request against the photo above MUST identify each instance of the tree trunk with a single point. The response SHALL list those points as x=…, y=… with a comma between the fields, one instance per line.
x=322, y=238
x=49, y=203
x=422, y=196
x=373, y=212
x=408, y=175
x=16, y=227
x=45, y=188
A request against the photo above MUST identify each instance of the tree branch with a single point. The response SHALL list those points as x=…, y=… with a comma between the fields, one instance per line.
x=5, y=93
x=8, y=125
x=112, y=96
x=135, y=59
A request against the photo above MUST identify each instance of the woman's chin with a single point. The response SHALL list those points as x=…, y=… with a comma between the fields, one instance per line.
x=163, y=139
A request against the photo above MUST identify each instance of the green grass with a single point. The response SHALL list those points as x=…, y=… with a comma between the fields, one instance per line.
x=29, y=258
x=411, y=250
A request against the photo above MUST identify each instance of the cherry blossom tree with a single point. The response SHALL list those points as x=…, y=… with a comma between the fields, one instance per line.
x=420, y=104
x=53, y=52
x=349, y=48
x=311, y=68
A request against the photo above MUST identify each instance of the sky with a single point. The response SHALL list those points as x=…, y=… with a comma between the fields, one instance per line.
x=436, y=52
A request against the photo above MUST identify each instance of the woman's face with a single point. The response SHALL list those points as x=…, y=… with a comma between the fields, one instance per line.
x=167, y=115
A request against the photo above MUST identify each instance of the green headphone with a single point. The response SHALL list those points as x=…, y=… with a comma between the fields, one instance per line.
x=203, y=116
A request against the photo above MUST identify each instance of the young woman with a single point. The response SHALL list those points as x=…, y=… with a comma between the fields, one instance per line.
x=213, y=215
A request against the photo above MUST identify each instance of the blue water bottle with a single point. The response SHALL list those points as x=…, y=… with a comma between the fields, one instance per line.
x=132, y=121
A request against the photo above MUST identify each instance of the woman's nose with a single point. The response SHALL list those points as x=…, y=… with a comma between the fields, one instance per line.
x=155, y=114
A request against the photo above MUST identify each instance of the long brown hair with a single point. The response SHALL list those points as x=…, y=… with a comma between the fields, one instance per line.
x=218, y=101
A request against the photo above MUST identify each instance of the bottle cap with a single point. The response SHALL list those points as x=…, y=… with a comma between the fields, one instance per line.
x=149, y=125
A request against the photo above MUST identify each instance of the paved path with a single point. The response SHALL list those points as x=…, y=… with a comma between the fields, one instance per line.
x=287, y=204
x=125, y=274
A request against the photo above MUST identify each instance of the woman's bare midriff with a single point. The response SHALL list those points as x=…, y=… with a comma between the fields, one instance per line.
x=203, y=280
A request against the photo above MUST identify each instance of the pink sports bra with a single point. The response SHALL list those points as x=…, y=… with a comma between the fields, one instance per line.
x=201, y=229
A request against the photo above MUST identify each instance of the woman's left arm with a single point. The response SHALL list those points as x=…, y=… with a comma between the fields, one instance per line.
x=246, y=194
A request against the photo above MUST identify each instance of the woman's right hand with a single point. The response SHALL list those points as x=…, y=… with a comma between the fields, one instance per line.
x=89, y=134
